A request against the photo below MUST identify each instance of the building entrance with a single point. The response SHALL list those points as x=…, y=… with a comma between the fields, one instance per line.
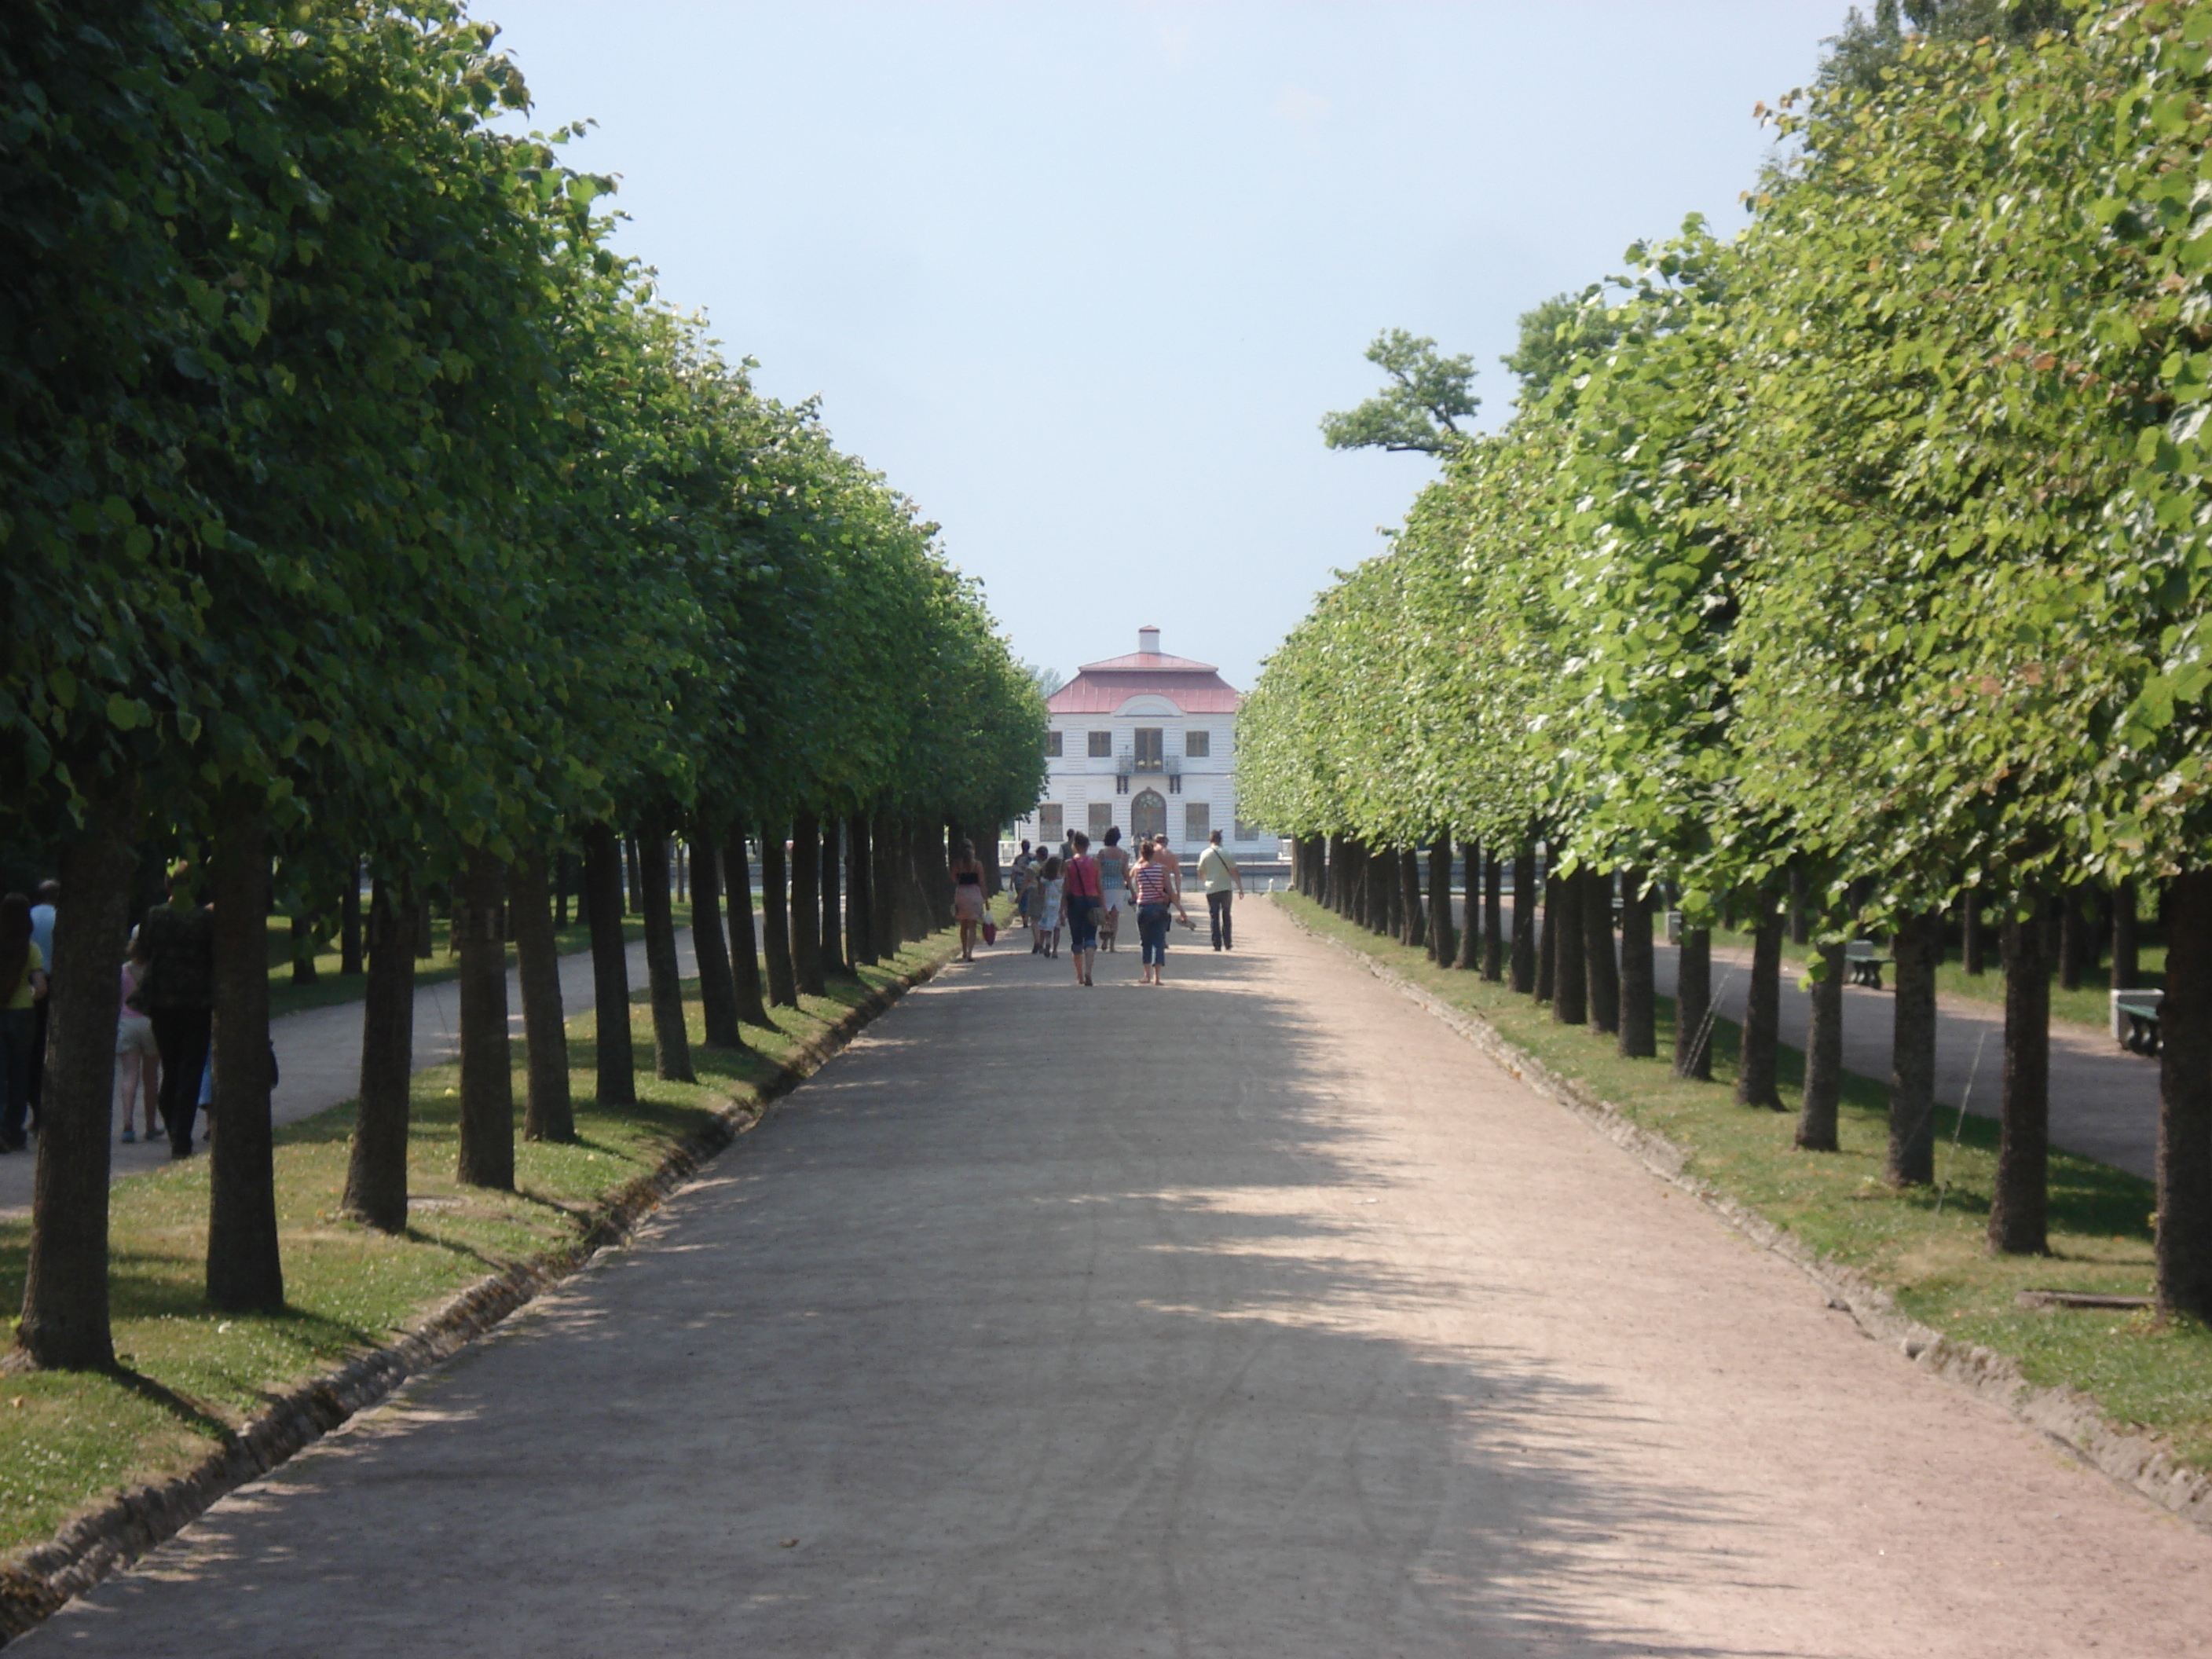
x=1148, y=815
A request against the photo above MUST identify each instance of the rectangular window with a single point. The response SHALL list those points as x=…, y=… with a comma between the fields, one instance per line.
x=1197, y=745
x=1048, y=821
x=1102, y=745
x=1197, y=821
x=1247, y=831
x=1102, y=820
x=1151, y=751
x=1052, y=745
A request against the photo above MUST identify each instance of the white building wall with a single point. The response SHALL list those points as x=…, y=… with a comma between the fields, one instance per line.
x=1075, y=778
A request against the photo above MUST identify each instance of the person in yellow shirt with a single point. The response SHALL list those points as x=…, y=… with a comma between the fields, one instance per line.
x=22, y=988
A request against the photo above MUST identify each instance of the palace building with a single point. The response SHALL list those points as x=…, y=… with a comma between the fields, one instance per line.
x=1147, y=742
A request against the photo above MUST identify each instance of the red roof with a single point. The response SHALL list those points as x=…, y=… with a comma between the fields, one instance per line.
x=1152, y=661
x=1100, y=688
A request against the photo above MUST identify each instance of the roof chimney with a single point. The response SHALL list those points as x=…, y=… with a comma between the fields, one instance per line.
x=1148, y=640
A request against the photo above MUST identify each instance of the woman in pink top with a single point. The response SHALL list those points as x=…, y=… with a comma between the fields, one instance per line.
x=137, y=1063
x=1083, y=892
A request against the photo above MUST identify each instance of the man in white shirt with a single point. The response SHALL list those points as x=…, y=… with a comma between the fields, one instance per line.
x=1224, y=881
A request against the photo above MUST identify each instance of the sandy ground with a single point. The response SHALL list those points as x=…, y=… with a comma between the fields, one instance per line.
x=1260, y=1315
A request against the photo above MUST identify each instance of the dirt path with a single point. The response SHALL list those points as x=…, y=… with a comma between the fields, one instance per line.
x=1259, y=1317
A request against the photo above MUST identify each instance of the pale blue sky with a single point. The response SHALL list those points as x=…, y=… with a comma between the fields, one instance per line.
x=1081, y=279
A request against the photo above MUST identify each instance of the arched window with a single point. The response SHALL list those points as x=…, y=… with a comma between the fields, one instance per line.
x=1148, y=814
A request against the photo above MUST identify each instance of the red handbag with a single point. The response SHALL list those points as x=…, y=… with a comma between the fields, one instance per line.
x=990, y=931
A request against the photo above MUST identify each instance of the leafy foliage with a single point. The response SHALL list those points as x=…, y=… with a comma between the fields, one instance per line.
x=1420, y=410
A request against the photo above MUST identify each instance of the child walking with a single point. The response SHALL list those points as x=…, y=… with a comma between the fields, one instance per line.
x=1050, y=892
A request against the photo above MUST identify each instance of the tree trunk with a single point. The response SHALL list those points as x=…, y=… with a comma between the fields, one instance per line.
x=1413, y=914
x=1973, y=938
x=1801, y=919
x=561, y=876
x=2185, y=1104
x=1601, y=968
x=1440, y=905
x=303, y=951
x=671, y=1041
x=603, y=907
x=1547, y=946
x=883, y=887
x=1570, y=969
x=1824, y=1057
x=2074, y=936
x=245, y=1274
x=1382, y=897
x=1467, y=953
x=1755, y=1083
x=775, y=919
x=940, y=878
x=2019, y=1208
x=548, y=1114
x=1693, y=1005
x=1919, y=947
x=1493, y=917
x=486, y=1156
x=376, y=1164
x=1337, y=893
x=1639, y=993
x=349, y=919
x=1524, y=920
x=859, y=899
x=806, y=904
x=717, y=989
x=634, y=865
x=2127, y=954
x=833, y=909
x=745, y=946
x=65, y=1315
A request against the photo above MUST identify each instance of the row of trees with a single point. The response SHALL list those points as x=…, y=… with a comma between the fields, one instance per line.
x=1865, y=553
x=358, y=501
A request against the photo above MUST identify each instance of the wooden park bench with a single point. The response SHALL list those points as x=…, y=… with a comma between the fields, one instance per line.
x=2135, y=1020
x=1862, y=965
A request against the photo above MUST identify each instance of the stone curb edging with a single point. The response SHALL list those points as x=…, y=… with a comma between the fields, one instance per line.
x=37, y=1583
x=2065, y=1415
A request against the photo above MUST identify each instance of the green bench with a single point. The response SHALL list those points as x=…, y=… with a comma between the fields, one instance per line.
x=2135, y=1020
x=1862, y=965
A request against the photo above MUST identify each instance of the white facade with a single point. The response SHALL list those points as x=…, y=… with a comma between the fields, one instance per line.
x=1146, y=742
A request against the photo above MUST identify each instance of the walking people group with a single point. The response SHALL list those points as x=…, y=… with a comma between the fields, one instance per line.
x=1087, y=892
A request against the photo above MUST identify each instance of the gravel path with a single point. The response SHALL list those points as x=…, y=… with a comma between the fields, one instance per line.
x=1258, y=1316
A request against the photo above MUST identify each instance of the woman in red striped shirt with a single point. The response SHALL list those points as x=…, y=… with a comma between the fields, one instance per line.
x=1155, y=893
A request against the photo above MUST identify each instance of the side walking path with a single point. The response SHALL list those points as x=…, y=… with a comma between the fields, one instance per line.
x=2103, y=1100
x=318, y=1057
x=1266, y=1317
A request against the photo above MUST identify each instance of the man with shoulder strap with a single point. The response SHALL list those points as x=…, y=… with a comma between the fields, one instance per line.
x=1224, y=881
